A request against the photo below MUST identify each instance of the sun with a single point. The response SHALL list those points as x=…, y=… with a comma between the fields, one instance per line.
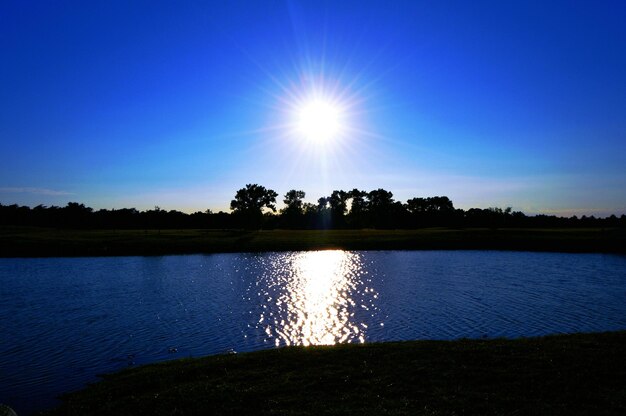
x=319, y=121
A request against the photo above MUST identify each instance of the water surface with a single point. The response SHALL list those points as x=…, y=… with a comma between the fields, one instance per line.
x=65, y=320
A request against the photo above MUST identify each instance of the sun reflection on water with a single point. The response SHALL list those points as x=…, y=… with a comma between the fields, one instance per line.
x=312, y=298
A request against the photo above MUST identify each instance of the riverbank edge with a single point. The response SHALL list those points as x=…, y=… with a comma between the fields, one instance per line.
x=559, y=374
x=46, y=242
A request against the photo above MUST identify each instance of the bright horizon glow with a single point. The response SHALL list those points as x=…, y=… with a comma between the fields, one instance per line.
x=319, y=121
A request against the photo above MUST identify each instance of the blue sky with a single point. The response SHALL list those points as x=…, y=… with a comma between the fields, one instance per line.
x=179, y=104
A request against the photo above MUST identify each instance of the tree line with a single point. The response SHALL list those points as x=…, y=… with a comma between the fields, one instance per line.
x=254, y=207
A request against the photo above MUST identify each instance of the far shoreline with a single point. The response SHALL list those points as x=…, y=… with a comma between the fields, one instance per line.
x=53, y=242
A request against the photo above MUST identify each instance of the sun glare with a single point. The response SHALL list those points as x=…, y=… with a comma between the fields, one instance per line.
x=319, y=121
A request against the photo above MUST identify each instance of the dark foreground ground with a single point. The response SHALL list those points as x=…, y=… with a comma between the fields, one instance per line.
x=46, y=242
x=582, y=374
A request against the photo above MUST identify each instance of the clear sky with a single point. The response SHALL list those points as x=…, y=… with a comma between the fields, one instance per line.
x=179, y=104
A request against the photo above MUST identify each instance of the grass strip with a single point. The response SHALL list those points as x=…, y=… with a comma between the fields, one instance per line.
x=47, y=242
x=579, y=374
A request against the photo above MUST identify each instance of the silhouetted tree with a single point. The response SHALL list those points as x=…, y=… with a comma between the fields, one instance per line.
x=293, y=200
x=417, y=205
x=364, y=209
x=249, y=203
x=292, y=215
x=380, y=203
x=323, y=213
x=310, y=215
x=338, y=202
x=76, y=215
x=440, y=204
x=358, y=208
x=417, y=209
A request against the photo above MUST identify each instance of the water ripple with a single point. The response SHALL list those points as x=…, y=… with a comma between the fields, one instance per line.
x=65, y=320
x=311, y=298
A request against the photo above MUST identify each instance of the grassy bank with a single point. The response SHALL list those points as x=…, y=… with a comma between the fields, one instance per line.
x=41, y=242
x=557, y=375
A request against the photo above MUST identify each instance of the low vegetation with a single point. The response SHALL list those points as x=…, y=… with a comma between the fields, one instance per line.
x=34, y=241
x=582, y=374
